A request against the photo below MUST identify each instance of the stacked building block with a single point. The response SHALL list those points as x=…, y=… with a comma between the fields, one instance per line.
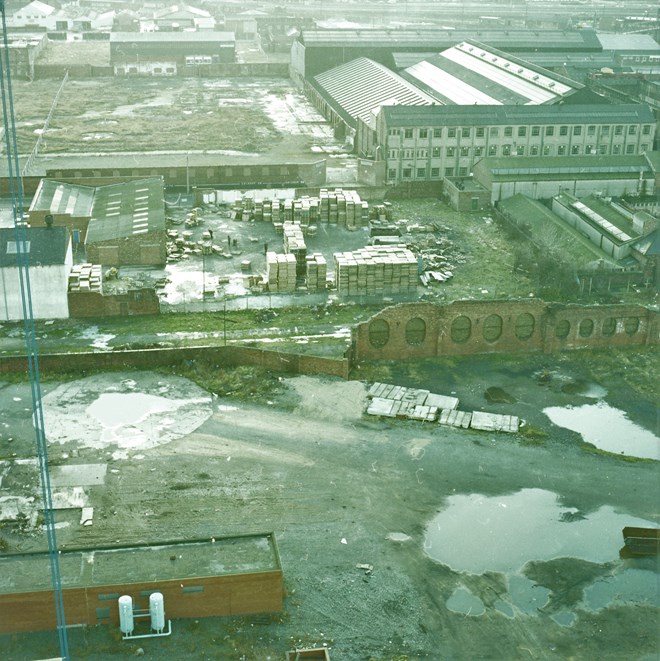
x=339, y=206
x=375, y=270
x=294, y=244
x=316, y=272
x=280, y=272
x=85, y=277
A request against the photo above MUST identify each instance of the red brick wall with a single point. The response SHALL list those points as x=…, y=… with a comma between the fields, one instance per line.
x=93, y=304
x=238, y=594
x=150, y=358
x=468, y=327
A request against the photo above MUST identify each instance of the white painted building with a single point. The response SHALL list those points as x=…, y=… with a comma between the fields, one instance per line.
x=36, y=14
x=50, y=259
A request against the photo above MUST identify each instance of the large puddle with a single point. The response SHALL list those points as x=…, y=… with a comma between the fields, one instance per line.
x=135, y=413
x=607, y=428
x=477, y=533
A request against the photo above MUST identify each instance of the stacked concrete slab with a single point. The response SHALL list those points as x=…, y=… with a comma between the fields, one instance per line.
x=376, y=270
x=280, y=272
x=85, y=277
x=316, y=272
x=398, y=401
x=393, y=401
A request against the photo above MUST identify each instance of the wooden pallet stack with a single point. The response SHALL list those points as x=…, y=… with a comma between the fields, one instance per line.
x=316, y=272
x=280, y=272
x=294, y=244
x=86, y=278
x=375, y=270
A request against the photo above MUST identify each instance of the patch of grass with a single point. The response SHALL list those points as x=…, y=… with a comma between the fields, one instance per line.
x=181, y=486
x=243, y=382
x=532, y=436
x=592, y=449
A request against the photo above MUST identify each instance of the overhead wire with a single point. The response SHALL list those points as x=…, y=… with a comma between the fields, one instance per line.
x=23, y=261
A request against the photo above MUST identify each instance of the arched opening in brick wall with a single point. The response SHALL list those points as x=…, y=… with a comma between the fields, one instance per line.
x=379, y=333
x=492, y=329
x=461, y=329
x=415, y=331
x=586, y=328
x=609, y=327
x=631, y=325
x=525, y=324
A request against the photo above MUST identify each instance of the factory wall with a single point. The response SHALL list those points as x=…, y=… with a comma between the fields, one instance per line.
x=213, y=596
x=426, y=330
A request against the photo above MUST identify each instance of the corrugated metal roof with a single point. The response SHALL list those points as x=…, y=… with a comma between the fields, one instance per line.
x=629, y=43
x=435, y=39
x=171, y=37
x=513, y=166
x=359, y=86
x=62, y=198
x=472, y=73
x=545, y=224
x=511, y=115
x=127, y=210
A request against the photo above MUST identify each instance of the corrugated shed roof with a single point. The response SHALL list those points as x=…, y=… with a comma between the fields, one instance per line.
x=472, y=73
x=435, y=39
x=203, y=36
x=649, y=245
x=359, y=86
x=45, y=246
x=127, y=210
x=63, y=198
x=628, y=43
x=511, y=167
x=547, y=227
x=511, y=115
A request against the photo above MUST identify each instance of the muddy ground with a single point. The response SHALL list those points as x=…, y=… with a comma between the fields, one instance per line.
x=307, y=464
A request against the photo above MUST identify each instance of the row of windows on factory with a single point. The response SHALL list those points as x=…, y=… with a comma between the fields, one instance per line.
x=173, y=173
x=493, y=328
x=518, y=150
x=520, y=131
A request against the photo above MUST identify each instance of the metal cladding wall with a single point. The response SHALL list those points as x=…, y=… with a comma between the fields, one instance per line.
x=214, y=596
x=425, y=330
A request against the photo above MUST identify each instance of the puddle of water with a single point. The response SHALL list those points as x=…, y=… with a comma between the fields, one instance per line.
x=463, y=601
x=504, y=607
x=91, y=413
x=607, y=428
x=526, y=596
x=628, y=586
x=114, y=410
x=476, y=533
x=564, y=618
x=99, y=340
x=585, y=389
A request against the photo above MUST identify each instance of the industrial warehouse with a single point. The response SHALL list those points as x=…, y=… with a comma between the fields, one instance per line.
x=329, y=331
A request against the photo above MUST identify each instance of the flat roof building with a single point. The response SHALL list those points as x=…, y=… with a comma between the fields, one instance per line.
x=198, y=578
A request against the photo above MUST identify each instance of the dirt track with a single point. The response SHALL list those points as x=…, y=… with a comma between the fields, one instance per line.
x=310, y=467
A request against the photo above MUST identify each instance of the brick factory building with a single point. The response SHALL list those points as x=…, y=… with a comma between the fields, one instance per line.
x=197, y=578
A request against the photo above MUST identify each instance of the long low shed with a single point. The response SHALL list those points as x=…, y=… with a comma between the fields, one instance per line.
x=200, y=578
